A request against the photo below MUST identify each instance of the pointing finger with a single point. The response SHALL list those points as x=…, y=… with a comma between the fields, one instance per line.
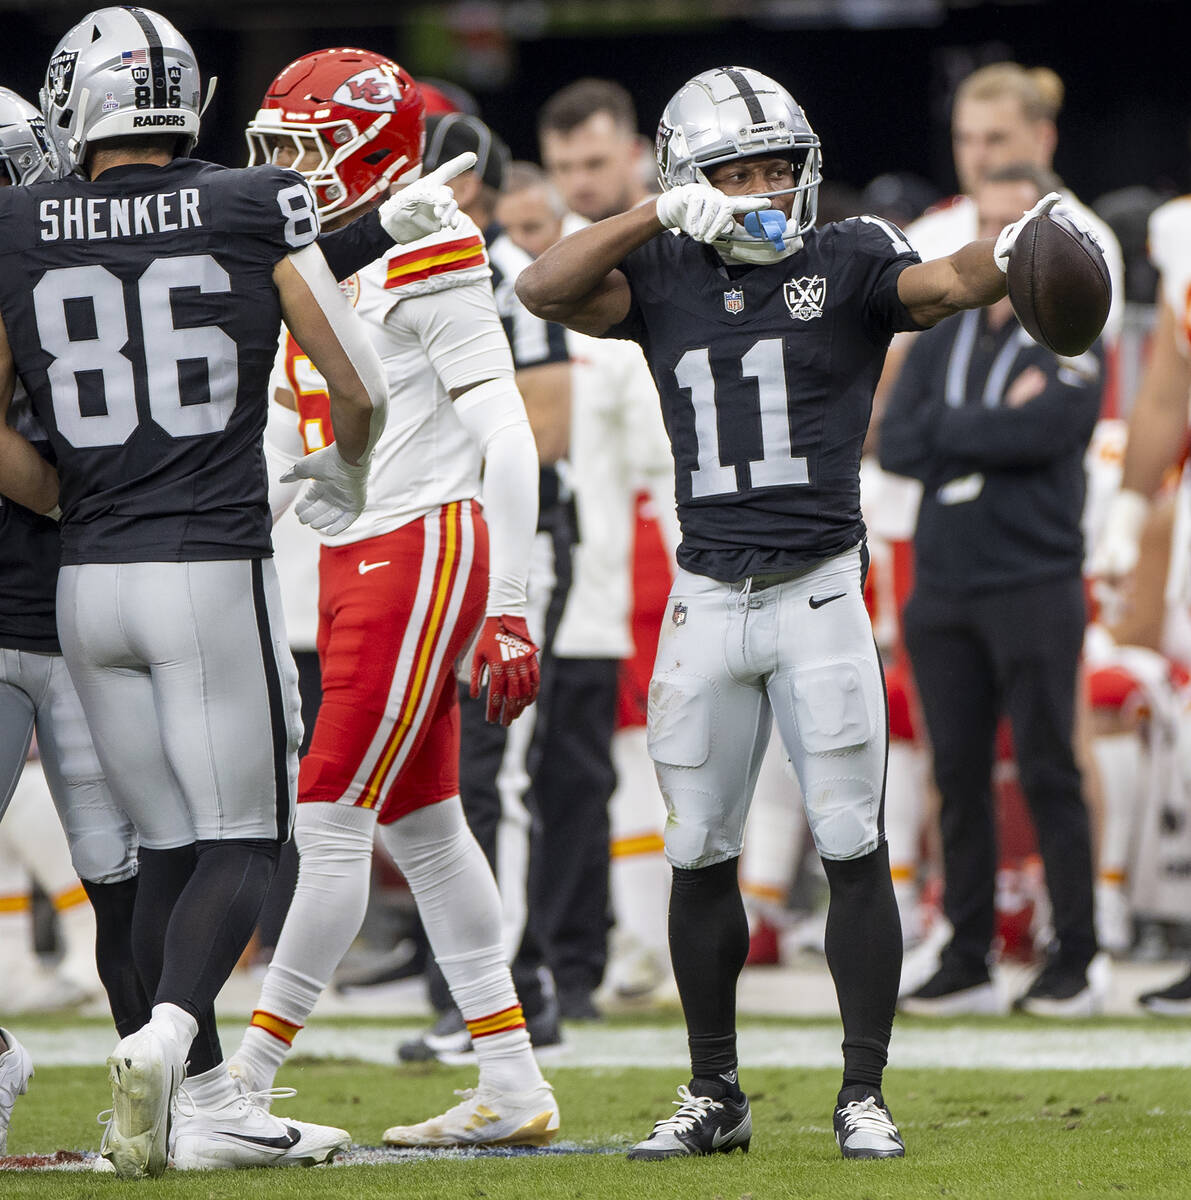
x=448, y=170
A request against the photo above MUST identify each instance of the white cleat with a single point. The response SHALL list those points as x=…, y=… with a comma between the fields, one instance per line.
x=243, y=1133
x=486, y=1117
x=145, y=1071
x=16, y=1068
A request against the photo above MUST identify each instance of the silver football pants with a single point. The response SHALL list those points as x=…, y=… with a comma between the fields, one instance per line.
x=734, y=656
x=191, y=693
x=36, y=692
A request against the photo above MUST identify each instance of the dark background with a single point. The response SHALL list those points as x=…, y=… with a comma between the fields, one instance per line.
x=874, y=76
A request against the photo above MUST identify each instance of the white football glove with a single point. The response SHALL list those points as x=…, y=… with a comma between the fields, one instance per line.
x=426, y=205
x=1054, y=204
x=1116, y=551
x=337, y=491
x=1010, y=234
x=704, y=212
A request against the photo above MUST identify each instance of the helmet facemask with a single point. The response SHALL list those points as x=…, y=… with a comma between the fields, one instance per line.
x=353, y=121
x=732, y=113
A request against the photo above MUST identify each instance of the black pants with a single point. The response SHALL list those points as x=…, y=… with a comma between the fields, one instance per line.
x=975, y=657
x=573, y=780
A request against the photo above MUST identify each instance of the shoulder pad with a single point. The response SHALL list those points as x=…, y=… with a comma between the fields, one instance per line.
x=441, y=260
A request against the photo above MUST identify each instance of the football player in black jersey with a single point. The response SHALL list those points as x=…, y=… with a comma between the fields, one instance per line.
x=765, y=336
x=141, y=298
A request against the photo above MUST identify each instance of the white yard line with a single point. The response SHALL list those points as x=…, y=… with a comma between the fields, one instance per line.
x=1051, y=1047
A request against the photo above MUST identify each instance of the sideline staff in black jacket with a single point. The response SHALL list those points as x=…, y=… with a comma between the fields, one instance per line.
x=995, y=427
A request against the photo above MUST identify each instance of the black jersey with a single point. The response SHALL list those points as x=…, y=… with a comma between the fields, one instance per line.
x=143, y=320
x=29, y=549
x=766, y=377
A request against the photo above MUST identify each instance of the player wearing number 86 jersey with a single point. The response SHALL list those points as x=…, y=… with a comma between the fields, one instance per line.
x=141, y=299
x=765, y=337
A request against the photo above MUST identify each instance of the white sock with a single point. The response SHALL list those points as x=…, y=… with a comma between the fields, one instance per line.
x=774, y=836
x=175, y=1025
x=212, y=1089
x=639, y=878
x=334, y=869
x=905, y=795
x=460, y=909
x=1119, y=757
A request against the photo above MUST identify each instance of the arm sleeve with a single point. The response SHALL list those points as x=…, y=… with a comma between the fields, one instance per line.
x=353, y=247
x=1055, y=422
x=494, y=416
x=905, y=444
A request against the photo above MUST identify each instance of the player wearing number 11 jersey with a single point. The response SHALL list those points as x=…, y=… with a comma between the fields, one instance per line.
x=765, y=337
x=141, y=299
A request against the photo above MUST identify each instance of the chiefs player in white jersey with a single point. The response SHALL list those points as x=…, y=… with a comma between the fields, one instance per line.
x=402, y=594
x=1157, y=436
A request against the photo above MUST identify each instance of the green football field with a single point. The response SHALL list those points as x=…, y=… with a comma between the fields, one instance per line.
x=1006, y=1133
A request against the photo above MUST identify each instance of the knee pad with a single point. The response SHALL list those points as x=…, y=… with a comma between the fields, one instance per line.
x=698, y=830
x=104, y=856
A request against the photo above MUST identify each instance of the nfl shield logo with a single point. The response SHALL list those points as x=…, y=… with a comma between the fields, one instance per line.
x=734, y=300
x=805, y=297
x=678, y=616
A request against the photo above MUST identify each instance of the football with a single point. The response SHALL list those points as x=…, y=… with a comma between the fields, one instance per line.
x=1059, y=285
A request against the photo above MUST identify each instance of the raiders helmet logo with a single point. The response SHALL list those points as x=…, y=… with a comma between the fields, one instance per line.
x=805, y=297
x=60, y=76
x=371, y=89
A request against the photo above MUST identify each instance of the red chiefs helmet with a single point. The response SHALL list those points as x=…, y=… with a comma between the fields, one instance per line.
x=352, y=118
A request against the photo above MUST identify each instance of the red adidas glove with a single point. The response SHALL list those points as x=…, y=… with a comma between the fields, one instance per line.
x=506, y=652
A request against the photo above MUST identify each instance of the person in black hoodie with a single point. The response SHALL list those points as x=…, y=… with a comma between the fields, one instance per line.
x=995, y=427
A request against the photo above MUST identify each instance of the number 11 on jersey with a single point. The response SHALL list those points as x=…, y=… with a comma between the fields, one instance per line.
x=778, y=466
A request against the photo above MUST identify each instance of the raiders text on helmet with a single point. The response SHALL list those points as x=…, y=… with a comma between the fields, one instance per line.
x=25, y=154
x=735, y=112
x=120, y=71
x=352, y=118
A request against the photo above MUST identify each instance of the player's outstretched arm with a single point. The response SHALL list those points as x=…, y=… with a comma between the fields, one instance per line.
x=576, y=283
x=321, y=320
x=969, y=278
x=25, y=477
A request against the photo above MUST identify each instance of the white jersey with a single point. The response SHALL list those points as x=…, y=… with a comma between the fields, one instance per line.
x=618, y=448
x=1170, y=252
x=423, y=305
x=955, y=223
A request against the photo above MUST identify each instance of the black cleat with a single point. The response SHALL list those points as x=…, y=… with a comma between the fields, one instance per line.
x=864, y=1129
x=1172, y=1001
x=700, y=1126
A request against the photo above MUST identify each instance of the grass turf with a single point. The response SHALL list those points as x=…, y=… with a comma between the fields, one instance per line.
x=1003, y=1134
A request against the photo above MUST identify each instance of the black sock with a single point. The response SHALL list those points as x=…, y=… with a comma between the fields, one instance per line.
x=864, y=952
x=709, y=941
x=161, y=879
x=205, y=1051
x=213, y=919
x=113, y=904
x=850, y=1092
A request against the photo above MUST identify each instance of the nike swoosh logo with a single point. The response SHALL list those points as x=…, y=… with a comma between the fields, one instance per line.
x=721, y=1136
x=287, y=1141
x=365, y=567
x=817, y=603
